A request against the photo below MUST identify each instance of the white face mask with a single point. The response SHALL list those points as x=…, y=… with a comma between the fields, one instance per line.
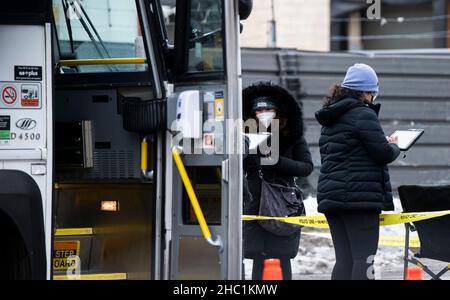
x=266, y=118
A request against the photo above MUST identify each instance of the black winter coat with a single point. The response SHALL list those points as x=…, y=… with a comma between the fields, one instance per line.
x=355, y=153
x=294, y=161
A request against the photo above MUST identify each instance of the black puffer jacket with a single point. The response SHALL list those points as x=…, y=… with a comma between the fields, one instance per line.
x=355, y=154
x=294, y=161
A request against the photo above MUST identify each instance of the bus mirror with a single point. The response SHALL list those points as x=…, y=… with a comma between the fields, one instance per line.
x=245, y=9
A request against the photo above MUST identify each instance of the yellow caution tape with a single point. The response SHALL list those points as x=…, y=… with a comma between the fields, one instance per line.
x=385, y=219
x=314, y=222
x=393, y=219
x=398, y=241
x=394, y=241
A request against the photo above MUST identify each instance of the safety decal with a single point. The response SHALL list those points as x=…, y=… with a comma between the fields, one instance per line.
x=29, y=95
x=219, y=106
x=16, y=95
x=5, y=129
x=220, y=109
x=9, y=95
x=65, y=255
x=208, y=141
x=33, y=73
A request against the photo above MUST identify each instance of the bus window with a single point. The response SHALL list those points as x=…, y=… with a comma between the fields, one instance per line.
x=207, y=185
x=93, y=29
x=205, y=38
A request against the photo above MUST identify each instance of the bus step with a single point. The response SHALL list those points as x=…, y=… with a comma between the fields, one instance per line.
x=73, y=232
x=106, y=276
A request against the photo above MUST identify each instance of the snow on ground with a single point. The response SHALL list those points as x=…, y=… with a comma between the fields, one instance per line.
x=315, y=259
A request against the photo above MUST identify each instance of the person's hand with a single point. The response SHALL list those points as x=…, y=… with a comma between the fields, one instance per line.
x=392, y=140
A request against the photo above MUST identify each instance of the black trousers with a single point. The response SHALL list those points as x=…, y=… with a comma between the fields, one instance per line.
x=258, y=267
x=355, y=238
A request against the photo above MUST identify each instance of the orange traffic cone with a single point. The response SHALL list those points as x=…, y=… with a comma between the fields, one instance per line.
x=414, y=274
x=272, y=270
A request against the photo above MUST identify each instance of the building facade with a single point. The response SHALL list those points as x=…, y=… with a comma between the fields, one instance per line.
x=389, y=24
x=300, y=24
x=341, y=25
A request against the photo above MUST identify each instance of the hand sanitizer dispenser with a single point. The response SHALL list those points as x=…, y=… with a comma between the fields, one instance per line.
x=190, y=114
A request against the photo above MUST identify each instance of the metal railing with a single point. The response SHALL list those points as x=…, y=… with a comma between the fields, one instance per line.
x=194, y=201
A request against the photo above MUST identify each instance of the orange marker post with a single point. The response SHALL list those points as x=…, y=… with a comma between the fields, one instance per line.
x=272, y=270
x=414, y=274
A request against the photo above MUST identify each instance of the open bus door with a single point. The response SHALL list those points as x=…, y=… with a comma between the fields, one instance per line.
x=129, y=222
x=109, y=116
x=203, y=162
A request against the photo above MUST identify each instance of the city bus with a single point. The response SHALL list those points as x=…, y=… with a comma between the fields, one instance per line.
x=111, y=166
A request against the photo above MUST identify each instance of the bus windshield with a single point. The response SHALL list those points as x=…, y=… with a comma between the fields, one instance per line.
x=99, y=29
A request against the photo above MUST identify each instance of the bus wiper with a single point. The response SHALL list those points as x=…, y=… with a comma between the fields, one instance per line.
x=68, y=24
x=89, y=33
x=95, y=31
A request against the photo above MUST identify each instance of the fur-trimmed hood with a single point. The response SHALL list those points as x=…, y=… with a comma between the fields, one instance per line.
x=283, y=99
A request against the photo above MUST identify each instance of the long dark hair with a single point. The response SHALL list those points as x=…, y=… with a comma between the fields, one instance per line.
x=338, y=93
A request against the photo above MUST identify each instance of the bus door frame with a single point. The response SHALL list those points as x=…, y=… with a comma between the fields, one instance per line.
x=232, y=171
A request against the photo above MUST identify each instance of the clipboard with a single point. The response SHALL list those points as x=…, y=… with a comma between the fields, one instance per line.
x=407, y=138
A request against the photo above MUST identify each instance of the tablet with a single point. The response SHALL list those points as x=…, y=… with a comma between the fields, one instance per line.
x=256, y=139
x=407, y=138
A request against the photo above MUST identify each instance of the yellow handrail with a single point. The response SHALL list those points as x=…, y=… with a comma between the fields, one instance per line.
x=193, y=198
x=102, y=61
x=144, y=160
x=144, y=155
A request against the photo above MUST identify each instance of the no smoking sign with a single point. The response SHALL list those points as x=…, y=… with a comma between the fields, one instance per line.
x=18, y=95
x=9, y=95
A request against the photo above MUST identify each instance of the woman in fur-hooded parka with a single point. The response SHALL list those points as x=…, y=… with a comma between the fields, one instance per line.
x=294, y=161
